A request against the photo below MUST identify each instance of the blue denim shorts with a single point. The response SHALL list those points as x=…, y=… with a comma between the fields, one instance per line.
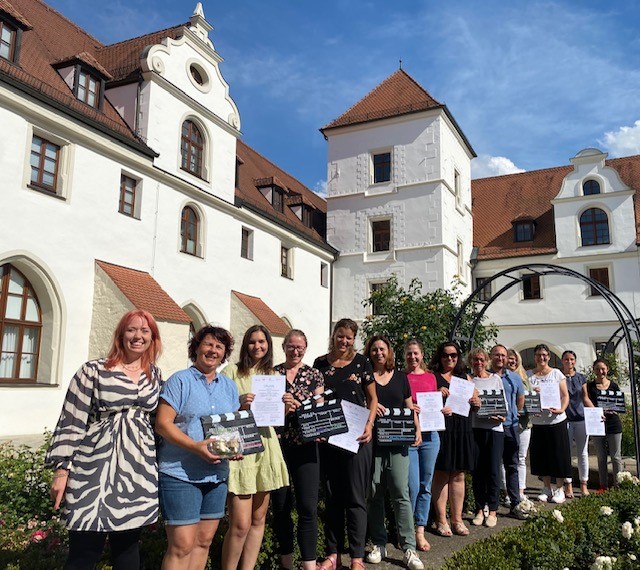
x=182, y=502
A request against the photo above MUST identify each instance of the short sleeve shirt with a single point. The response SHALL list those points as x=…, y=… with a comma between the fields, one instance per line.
x=395, y=392
x=348, y=382
x=190, y=394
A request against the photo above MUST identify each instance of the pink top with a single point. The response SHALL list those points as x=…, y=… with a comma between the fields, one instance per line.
x=425, y=382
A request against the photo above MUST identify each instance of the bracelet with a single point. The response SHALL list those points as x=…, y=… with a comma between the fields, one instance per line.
x=58, y=475
x=370, y=422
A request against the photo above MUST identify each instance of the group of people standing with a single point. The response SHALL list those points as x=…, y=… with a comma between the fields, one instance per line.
x=129, y=445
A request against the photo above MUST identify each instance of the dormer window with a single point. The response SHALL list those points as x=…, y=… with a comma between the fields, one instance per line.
x=591, y=187
x=277, y=199
x=523, y=230
x=88, y=88
x=307, y=216
x=8, y=36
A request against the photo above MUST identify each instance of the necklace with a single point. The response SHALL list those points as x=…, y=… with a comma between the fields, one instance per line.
x=131, y=368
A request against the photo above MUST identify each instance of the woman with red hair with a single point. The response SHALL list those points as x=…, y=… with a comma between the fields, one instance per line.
x=103, y=448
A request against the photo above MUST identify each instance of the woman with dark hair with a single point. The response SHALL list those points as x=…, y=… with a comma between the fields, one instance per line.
x=422, y=459
x=303, y=383
x=193, y=481
x=391, y=462
x=575, y=423
x=252, y=479
x=550, y=453
x=612, y=425
x=488, y=434
x=103, y=448
x=347, y=475
x=456, y=445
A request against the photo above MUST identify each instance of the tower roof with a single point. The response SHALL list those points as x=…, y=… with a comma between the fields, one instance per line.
x=398, y=94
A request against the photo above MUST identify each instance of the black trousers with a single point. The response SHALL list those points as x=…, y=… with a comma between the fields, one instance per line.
x=347, y=477
x=304, y=471
x=486, y=475
x=510, y=461
x=85, y=549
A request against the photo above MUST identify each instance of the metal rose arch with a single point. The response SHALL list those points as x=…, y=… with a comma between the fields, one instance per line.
x=628, y=332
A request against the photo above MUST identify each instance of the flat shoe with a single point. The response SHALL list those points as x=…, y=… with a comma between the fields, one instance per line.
x=460, y=529
x=492, y=521
x=478, y=519
x=443, y=529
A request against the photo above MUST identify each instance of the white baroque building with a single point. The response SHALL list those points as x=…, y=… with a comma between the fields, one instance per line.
x=125, y=185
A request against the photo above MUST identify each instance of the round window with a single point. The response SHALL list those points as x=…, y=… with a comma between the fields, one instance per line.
x=196, y=74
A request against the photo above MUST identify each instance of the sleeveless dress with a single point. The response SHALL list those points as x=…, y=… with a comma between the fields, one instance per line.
x=457, y=446
x=258, y=472
x=105, y=438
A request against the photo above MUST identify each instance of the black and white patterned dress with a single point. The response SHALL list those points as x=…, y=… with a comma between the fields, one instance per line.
x=105, y=438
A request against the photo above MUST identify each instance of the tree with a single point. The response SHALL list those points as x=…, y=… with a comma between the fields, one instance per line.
x=403, y=314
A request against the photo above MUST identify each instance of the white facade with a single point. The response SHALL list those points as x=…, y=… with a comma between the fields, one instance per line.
x=427, y=200
x=55, y=240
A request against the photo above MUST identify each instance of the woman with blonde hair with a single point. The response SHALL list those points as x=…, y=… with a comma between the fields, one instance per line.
x=103, y=448
x=252, y=479
x=422, y=459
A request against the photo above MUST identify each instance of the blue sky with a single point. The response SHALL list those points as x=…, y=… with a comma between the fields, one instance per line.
x=530, y=83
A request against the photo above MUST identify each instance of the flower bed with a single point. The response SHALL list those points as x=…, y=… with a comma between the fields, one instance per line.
x=595, y=532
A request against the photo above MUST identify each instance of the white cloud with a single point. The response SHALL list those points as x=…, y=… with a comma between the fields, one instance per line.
x=623, y=142
x=485, y=165
x=320, y=188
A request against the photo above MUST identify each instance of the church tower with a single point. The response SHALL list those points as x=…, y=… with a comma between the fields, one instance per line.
x=398, y=194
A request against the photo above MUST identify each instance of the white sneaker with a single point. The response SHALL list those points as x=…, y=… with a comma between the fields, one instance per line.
x=412, y=561
x=558, y=496
x=545, y=495
x=376, y=555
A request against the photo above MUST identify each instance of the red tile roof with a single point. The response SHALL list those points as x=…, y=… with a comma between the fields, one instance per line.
x=83, y=57
x=255, y=170
x=144, y=292
x=7, y=7
x=500, y=200
x=398, y=94
x=264, y=314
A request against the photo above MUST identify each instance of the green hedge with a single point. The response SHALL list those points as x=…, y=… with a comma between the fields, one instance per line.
x=628, y=439
x=574, y=542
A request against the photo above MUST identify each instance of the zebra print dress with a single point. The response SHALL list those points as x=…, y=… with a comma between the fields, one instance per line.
x=105, y=438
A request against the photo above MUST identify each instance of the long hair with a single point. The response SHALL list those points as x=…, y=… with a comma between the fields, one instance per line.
x=389, y=363
x=415, y=342
x=520, y=371
x=220, y=334
x=349, y=324
x=245, y=363
x=436, y=359
x=149, y=357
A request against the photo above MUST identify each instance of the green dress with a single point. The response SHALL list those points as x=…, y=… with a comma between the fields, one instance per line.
x=258, y=472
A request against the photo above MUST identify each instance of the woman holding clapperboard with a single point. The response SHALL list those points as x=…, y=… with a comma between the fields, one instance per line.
x=391, y=462
x=251, y=480
x=612, y=426
x=422, y=459
x=303, y=383
x=347, y=475
x=488, y=434
x=550, y=453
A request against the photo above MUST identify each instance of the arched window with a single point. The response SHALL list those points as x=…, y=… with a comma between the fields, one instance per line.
x=591, y=187
x=594, y=227
x=191, y=148
x=20, y=326
x=189, y=228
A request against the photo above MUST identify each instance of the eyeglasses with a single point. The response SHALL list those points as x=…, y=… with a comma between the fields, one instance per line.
x=450, y=355
x=291, y=348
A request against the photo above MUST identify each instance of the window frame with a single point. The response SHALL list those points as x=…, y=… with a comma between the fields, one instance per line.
x=457, y=188
x=277, y=198
x=246, y=245
x=378, y=235
x=535, y=287
x=324, y=275
x=184, y=236
x=373, y=287
x=485, y=293
x=286, y=262
x=135, y=204
x=28, y=291
x=591, y=183
x=594, y=227
x=14, y=39
x=382, y=167
x=39, y=184
x=524, y=231
x=82, y=71
x=187, y=147
x=592, y=274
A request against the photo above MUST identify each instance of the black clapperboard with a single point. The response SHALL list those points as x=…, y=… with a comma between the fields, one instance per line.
x=321, y=419
x=242, y=421
x=492, y=403
x=611, y=401
x=396, y=427
x=531, y=403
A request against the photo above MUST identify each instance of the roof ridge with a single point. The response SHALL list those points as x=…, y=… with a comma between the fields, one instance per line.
x=101, y=261
x=128, y=40
x=536, y=171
